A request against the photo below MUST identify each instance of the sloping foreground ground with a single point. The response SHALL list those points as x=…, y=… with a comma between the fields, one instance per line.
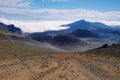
x=110, y=50
x=22, y=62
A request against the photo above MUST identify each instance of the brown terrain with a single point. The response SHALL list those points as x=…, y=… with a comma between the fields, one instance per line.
x=23, y=62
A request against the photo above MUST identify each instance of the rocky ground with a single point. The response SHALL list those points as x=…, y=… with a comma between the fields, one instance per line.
x=20, y=62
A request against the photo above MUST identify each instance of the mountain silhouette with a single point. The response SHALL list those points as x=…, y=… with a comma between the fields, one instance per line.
x=10, y=28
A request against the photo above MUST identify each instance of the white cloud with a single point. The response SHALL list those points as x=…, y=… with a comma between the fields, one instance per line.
x=23, y=3
x=15, y=3
x=112, y=23
x=55, y=14
x=36, y=26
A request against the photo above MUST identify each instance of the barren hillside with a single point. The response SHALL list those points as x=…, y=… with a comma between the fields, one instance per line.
x=23, y=62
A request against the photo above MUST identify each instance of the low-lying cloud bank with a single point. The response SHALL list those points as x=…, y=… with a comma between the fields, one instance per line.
x=40, y=26
x=36, y=26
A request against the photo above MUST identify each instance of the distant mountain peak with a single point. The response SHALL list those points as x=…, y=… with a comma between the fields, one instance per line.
x=82, y=20
x=83, y=24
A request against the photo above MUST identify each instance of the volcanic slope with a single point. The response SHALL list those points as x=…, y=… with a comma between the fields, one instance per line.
x=23, y=62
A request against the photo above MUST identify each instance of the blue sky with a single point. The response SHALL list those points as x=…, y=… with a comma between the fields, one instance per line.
x=100, y=5
x=62, y=11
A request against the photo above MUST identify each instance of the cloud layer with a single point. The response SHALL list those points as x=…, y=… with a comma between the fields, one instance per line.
x=15, y=3
x=22, y=9
x=40, y=26
x=36, y=26
x=23, y=3
x=55, y=14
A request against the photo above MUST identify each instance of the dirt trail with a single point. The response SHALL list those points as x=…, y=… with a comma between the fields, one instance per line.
x=60, y=67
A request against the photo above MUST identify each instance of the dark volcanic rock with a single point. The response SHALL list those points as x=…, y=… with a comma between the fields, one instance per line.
x=14, y=29
x=64, y=39
x=10, y=29
x=83, y=33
